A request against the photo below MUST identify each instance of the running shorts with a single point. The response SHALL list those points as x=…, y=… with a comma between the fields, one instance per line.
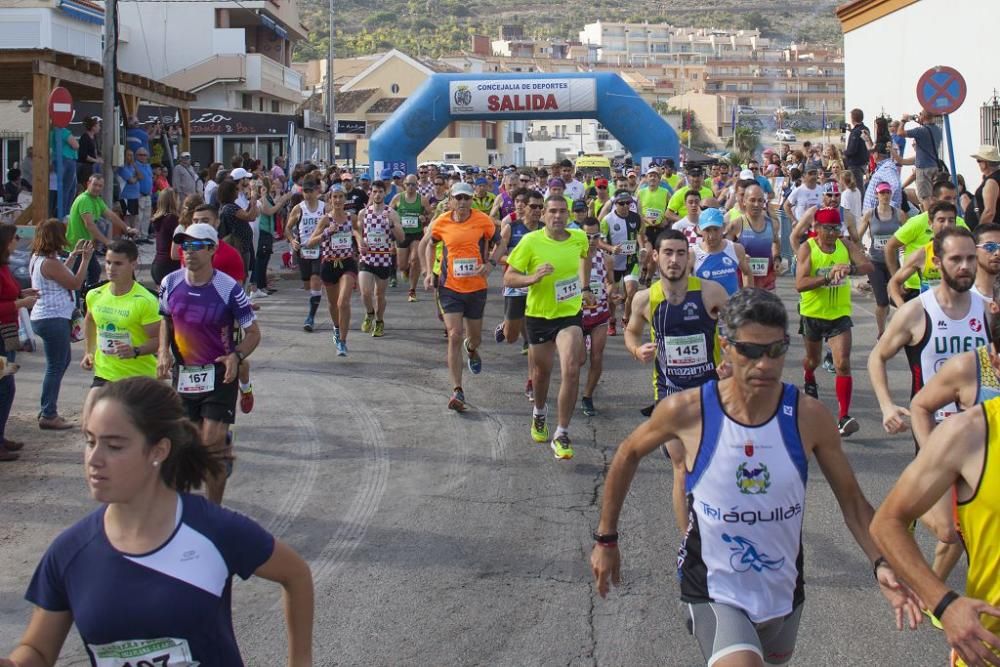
x=332, y=272
x=408, y=240
x=513, y=307
x=380, y=272
x=541, y=330
x=879, y=280
x=722, y=630
x=309, y=268
x=217, y=405
x=815, y=329
x=589, y=324
x=469, y=304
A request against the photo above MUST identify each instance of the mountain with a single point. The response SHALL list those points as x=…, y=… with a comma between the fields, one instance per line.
x=436, y=27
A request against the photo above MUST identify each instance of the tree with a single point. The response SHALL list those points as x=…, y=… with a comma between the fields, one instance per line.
x=744, y=143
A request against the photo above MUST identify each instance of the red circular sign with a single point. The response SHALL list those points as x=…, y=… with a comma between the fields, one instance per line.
x=60, y=107
x=941, y=90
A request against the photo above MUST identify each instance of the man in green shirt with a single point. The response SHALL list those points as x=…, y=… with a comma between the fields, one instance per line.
x=916, y=233
x=696, y=181
x=86, y=210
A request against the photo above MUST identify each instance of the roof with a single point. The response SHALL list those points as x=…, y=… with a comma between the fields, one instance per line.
x=386, y=57
x=349, y=101
x=859, y=13
x=386, y=105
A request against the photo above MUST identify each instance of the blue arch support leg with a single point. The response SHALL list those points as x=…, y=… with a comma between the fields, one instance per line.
x=444, y=98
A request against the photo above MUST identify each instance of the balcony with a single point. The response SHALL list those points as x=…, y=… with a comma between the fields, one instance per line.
x=253, y=72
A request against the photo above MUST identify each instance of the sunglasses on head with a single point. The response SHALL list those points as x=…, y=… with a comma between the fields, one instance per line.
x=755, y=351
x=193, y=246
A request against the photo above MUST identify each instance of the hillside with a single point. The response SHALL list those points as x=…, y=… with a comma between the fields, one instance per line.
x=435, y=27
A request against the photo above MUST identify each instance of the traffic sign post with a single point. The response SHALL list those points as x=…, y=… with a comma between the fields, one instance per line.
x=60, y=114
x=941, y=91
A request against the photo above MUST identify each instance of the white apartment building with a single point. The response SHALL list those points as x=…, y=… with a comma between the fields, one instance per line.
x=636, y=44
x=550, y=141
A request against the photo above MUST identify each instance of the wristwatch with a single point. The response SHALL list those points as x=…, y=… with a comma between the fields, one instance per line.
x=136, y=352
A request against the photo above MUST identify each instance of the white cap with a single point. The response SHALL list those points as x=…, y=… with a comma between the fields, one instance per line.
x=239, y=174
x=746, y=175
x=199, y=231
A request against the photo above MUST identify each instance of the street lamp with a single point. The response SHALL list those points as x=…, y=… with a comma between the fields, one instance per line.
x=25, y=105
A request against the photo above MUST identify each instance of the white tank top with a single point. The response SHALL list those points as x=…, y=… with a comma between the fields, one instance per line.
x=54, y=300
x=943, y=339
x=746, y=496
x=309, y=219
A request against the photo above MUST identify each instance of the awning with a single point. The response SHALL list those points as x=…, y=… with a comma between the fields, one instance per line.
x=271, y=25
x=82, y=12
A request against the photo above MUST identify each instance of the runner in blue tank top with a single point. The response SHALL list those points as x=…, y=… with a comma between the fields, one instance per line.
x=717, y=258
x=746, y=440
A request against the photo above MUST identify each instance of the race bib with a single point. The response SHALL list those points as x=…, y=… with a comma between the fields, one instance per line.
x=629, y=247
x=309, y=253
x=596, y=286
x=410, y=222
x=465, y=267
x=106, y=340
x=166, y=652
x=758, y=265
x=652, y=213
x=567, y=289
x=196, y=379
x=377, y=237
x=686, y=350
x=341, y=241
x=878, y=242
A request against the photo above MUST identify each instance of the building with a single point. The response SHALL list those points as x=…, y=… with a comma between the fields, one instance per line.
x=632, y=44
x=237, y=59
x=873, y=26
x=550, y=141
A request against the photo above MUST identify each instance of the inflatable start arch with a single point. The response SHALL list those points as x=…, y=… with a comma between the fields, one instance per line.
x=444, y=98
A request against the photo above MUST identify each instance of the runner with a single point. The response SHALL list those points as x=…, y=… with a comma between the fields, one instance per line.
x=122, y=325
x=412, y=209
x=482, y=199
x=377, y=232
x=201, y=309
x=335, y=235
x=302, y=223
x=503, y=205
x=466, y=236
x=759, y=236
x=526, y=218
x=622, y=229
x=681, y=311
x=597, y=317
x=688, y=225
x=741, y=571
x=676, y=209
x=717, y=258
x=653, y=200
x=920, y=262
x=881, y=223
x=823, y=265
x=554, y=264
x=602, y=197
x=806, y=222
x=987, y=262
x=142, y=460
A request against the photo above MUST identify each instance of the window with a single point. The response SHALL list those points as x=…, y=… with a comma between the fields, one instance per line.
x=579, y=129
x=394, y=88
x=452, y=157
x=247, y=102
x=260, y=103
x=275, y=106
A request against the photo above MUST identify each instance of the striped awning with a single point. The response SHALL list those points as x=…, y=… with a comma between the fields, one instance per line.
x=82, y=12
x=271, y=25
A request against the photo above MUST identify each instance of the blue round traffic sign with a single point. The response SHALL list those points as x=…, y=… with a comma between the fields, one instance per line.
x=941, y=90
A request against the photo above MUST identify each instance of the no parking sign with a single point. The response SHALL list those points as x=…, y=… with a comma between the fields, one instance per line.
x=941, y=90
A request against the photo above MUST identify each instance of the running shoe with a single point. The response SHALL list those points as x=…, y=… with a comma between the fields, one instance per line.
x=366, y=324
x=246, y=400
x=457, y=402
x=524, y=348
x=847, y=425
x=258, y=294
x=412, y=296
x=379, y=329
x=539, y=429
x=308, y=324
x=562, y=447
x=341, y=348
x=828, y=362
x=498, y=335
x=811, y=389
x=336, y=335
x=475, y=361
x=588, y=406
x=612, y=327
x=529, y=391
x=392, y=281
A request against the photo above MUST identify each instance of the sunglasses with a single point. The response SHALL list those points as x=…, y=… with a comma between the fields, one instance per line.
x=594, y=237
x=525, y=180
x=463, y=197
x=755, y=351
x=439, y=183
x=990, y=246
x=194, y=246
x=536, y=206
x=602, y=187
x=621, y=203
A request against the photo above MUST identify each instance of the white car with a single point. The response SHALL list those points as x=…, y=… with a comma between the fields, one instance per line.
x=784, y=135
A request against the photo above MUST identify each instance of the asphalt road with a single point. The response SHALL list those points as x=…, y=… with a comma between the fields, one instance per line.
x=445, y=539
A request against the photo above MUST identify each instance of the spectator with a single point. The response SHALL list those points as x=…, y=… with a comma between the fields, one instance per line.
x=185, y=178
x=89, y=153
x=885, y=172
x=63, y=143
x=145, y=172
x=136, y=136
x=12, y=299
x=160, y=181
x=87, y=209
x=212, y=183
x=130, y=189
x=234, y=221
x=12, y=188
x=27, y=167
x=164, y=223
x=856, y=152
x=988, y=194
x=850, y=197
x=926, y=140
x=271, y=202
x=52, y=313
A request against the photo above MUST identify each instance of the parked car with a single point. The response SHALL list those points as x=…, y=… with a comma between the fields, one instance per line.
x=784, y=135
x=746, y=110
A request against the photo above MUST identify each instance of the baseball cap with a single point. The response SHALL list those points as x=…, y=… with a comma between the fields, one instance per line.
x=746, y=174
x=883, y=187
x=828, y=216
x=557, y=183
x=623, y=196
x=347, y=176
x=398, y=174
x=186, y=155
x=198, y=232
x=630, y=172
x=239, y=174
x=653, y=169
x=695, y=170
x=386, y=175
x=601, y=183
x=710, y=217
x=365, y=177
x=481, y=181
x=579, y=205
x=461, y=189
x=831, y=188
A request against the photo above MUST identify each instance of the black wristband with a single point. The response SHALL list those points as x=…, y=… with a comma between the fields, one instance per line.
x=606, y=538
x=946, y=600
x=879, y=562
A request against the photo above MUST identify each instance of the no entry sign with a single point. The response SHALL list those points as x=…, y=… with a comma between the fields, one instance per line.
x=941, y=90
x=60, y=107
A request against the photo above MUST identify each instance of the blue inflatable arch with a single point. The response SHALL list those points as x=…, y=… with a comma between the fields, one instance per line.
x=444, y=98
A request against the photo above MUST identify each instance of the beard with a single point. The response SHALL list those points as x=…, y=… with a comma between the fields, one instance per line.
x=959, y=284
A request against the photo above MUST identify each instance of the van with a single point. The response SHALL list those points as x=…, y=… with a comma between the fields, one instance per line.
x=592, y=163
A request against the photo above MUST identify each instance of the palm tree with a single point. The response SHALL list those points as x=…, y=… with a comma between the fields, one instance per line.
x=744, y=143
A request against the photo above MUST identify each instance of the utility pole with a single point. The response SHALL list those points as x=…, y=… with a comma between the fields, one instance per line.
x=331, y=94
x=108, y=125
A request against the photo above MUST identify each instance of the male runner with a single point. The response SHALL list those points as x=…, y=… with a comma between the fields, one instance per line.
x=425, y=186
x=823, y=266
x=466, y=236
x=988, y=261
x=653, y=200
x=681, y=311
x=378, y=230
x=482, y=198
x=413, y=210
x=622, y=229
x=554, y=264
x=201, y=308
x=716, y=257
x=602, y=197
x=830, y=199
x=596, y=317
x=302, y=223
x=741, y=570
x=122, y=325
x=760, y=236
x=688, y=225
x=526, y=218
x=676, y=209
x=920, y=262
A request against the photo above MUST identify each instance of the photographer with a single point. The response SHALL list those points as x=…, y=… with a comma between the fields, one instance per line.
x=926, y=140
